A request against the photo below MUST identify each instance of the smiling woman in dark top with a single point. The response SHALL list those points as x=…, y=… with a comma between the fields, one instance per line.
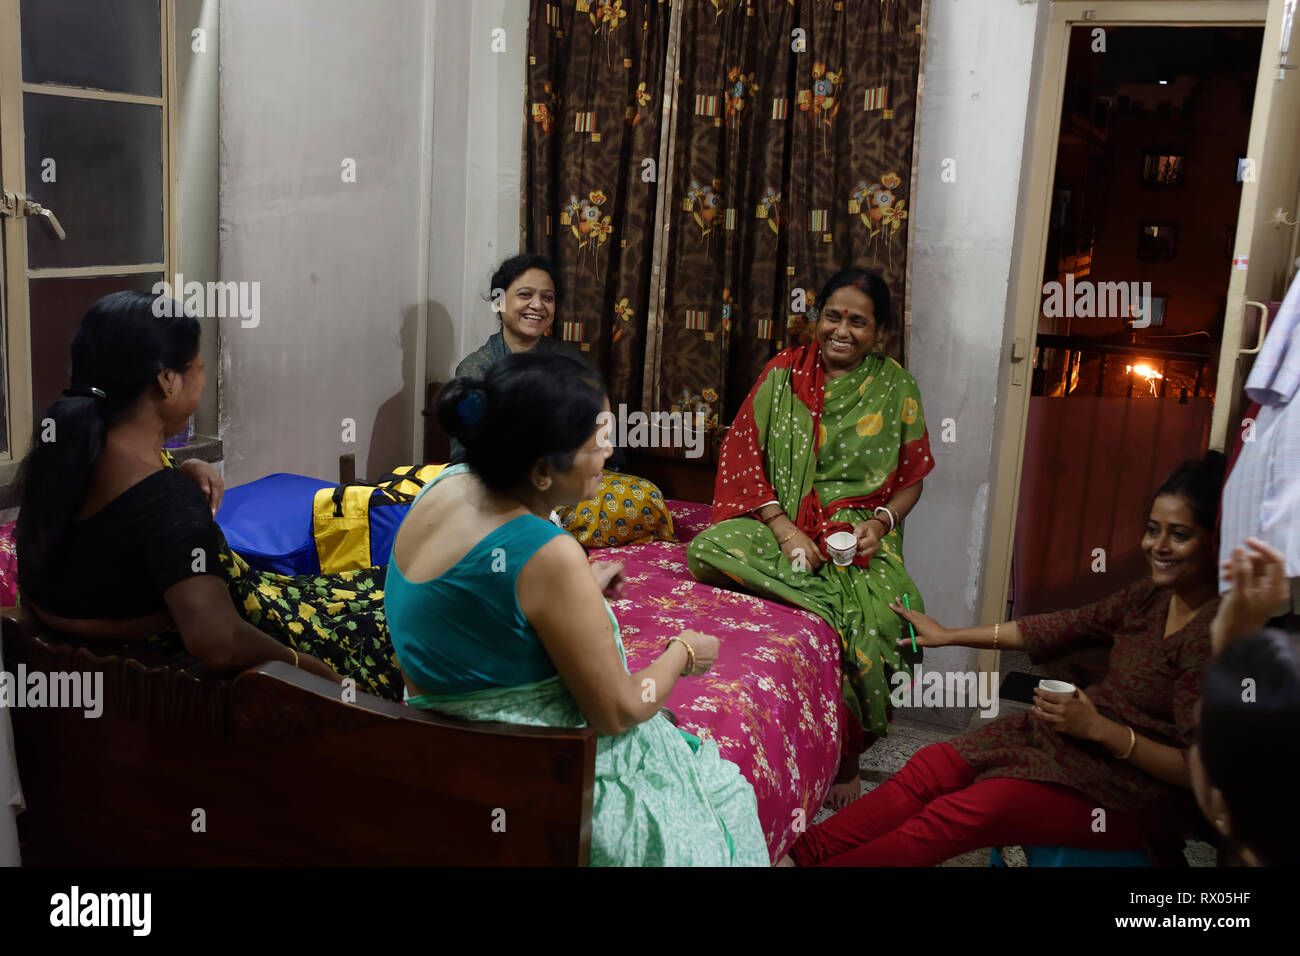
x=112, y=544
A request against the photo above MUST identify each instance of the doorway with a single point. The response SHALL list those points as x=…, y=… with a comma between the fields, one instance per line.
x=1160, y=219
x=1150, y=159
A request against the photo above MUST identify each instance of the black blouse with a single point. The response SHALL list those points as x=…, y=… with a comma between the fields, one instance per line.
x=118, y=562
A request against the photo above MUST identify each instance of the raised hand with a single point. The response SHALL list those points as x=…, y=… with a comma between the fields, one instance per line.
x=1257, y=575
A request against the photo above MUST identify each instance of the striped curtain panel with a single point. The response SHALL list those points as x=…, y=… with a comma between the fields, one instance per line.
x=788, y=156
x=595, y=94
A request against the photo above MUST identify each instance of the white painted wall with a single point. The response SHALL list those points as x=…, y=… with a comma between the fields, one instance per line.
x=363, y=297
x=304, y=84
x=195, y=115
x=980, y=69
x=479, y=112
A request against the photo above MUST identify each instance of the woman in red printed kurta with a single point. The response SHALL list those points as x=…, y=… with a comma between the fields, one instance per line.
x=1096, y=769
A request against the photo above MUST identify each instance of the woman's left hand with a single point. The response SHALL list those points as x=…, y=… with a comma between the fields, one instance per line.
x=609, y=576
x=208, y=479
x=1071, y=714
x=868, y=534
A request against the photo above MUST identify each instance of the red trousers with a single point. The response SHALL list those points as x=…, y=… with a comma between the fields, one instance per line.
x=932, y=810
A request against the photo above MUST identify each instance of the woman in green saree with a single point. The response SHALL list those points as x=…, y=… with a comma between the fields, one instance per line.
x=831, y=438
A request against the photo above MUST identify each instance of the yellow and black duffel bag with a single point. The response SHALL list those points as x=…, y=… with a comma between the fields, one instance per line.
x=354, y=524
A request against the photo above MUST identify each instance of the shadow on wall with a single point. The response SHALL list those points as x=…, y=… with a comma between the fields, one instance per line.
x=390, y=436
x=440, y=350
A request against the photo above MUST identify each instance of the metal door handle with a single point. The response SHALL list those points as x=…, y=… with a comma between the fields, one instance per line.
x=1263, y=325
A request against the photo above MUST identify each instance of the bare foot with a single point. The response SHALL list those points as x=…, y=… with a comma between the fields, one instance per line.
x=842, y=794
x=786, y=860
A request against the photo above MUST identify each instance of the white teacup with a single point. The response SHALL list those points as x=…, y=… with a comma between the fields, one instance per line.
x=1056, y=686
x=842, y=545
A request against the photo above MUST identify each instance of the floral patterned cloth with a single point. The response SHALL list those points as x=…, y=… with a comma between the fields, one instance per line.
x=626, y=510
x=772, y=701
x=1152, y=685
x=8, y=566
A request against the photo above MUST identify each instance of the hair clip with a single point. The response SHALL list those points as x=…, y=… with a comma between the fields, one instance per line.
x=470, y=409
x=91, y=392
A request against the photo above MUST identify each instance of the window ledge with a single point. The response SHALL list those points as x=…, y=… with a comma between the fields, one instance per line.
x=201, y=447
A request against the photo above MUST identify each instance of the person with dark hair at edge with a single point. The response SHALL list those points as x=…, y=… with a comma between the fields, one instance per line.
x=1250, y=715
x=496, y=614
x=116, y=543
x=831, y=439
x=1038, y=778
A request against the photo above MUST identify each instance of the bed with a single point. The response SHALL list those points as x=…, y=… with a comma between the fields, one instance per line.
x=170, y=733
x=771, y=703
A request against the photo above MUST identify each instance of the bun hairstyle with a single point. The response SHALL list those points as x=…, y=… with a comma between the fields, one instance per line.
x=1201, y=484
x=529, y=407
x=515, y=266
x=1244, y=739
x=125, y=341
x=867, y=282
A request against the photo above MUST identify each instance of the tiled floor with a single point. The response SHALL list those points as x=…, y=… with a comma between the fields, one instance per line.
x=887, y=756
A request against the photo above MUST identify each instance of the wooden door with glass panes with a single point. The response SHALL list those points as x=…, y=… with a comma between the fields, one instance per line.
x=84, y=134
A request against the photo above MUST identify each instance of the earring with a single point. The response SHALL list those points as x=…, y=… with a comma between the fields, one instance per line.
x=543, y=484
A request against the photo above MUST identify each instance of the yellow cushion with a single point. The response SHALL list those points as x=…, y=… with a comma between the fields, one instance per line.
x=626, y=510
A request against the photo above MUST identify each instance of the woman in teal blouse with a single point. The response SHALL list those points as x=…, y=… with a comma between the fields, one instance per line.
x=495, y=614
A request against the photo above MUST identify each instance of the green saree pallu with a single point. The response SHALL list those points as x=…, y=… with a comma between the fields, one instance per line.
x=829, y=452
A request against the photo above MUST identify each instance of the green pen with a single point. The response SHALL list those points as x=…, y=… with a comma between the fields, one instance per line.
x=910, y=628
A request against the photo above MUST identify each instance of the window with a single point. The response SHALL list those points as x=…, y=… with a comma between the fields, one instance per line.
x=86, y=132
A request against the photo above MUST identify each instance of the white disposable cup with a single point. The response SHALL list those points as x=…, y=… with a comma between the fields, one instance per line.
x=1056, y=686
x=843, y=546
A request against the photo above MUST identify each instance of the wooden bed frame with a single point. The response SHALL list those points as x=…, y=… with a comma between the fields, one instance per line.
x=278, y=769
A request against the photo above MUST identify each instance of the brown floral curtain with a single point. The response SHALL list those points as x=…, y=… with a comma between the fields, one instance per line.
x=595, y=93
x=791, y=157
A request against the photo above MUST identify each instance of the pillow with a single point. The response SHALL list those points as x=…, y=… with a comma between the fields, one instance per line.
x=626, y=510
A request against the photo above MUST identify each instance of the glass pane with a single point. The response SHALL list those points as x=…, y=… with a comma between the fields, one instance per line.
x=103, y=179
x=102, y=44
x=57, y=307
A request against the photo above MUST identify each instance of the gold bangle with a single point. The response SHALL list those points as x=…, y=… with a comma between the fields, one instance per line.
x=782, y=542
x=690, y=654
x=995, y=634
x=294, y=652
x=1132, y=743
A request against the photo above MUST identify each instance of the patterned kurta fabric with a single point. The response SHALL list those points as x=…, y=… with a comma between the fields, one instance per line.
x=1152, y=685
x=828, y=452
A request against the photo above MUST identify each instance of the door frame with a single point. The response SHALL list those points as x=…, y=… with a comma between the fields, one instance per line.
x=1033, y=221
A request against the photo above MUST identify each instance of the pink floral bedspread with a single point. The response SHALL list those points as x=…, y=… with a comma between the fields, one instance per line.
x=771, y=703
x=8, y=566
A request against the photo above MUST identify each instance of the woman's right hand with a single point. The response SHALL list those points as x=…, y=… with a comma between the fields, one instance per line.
x=929, y=632
x=706, y=648
x=803, y=552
